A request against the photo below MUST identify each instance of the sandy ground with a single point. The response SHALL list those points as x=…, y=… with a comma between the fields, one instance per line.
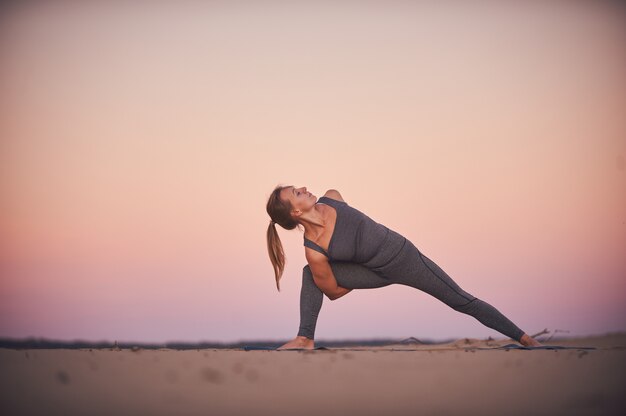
x=444, y=379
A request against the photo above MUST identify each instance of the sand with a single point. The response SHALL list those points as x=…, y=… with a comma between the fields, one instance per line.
x=445, y=379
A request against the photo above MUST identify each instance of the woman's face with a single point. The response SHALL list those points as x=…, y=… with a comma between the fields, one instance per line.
x=300, y=198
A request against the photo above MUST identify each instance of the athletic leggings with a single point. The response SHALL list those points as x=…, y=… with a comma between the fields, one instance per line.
x=413, y=269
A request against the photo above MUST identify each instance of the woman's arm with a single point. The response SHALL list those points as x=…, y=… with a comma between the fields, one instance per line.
x=323, y=275
x=340, y=292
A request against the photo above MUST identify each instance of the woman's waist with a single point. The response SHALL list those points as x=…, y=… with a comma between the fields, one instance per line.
x=387, y=250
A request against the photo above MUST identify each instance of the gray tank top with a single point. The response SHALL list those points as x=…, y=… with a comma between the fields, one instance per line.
x=357, y=238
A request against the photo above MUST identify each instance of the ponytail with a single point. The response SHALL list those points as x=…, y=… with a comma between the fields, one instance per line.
x=280, y=212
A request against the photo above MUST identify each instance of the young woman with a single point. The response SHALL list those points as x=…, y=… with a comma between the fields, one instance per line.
x=345, y=249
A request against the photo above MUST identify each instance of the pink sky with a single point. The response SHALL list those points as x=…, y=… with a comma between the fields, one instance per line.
x=138, y=146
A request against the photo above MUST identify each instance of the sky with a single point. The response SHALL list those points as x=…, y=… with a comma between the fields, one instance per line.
x=139, y=145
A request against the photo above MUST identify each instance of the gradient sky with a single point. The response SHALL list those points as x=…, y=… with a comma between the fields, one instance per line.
x=139, y=145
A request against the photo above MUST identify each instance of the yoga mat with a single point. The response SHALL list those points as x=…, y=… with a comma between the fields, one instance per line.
x=504, y=347
x=246, y=348
x=543, y=347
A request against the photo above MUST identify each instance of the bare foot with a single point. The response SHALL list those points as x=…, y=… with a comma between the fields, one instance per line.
x=298, y=342
x=529, y=341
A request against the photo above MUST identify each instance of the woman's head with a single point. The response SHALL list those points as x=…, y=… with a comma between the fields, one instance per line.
x=284, y=206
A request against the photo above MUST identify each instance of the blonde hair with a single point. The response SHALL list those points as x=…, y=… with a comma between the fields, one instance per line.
x=280, y=213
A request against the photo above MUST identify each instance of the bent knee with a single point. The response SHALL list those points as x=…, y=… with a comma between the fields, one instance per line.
x=306, y=271
x=467, y=307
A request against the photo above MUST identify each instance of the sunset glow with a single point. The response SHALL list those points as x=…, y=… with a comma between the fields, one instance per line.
x=139, y=145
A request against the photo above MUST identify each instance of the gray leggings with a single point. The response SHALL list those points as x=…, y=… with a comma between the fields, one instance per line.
x=417, y=271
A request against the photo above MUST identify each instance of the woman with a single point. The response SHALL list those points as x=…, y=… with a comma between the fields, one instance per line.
x=345, y=249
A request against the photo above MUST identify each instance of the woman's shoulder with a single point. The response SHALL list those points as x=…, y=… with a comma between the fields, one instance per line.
x=334, y=194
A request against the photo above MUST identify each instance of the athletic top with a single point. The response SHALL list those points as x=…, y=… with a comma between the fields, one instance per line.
x=357, y=238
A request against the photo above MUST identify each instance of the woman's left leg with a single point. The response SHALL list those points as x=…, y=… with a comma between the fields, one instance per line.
x=348, y=275
x=413, y=268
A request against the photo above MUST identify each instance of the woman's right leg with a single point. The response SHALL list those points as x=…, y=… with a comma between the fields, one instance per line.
x=348, y=275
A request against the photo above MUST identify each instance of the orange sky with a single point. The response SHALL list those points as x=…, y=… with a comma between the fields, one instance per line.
x=138, y=146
